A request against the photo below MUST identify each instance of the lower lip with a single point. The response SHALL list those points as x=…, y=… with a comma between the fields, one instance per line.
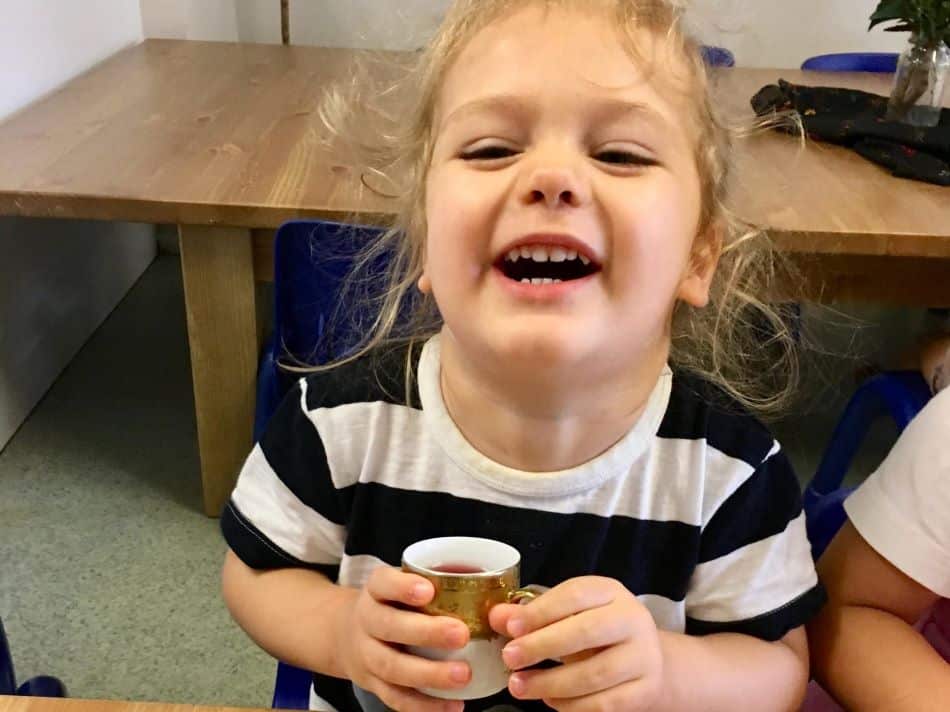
x=541, y=292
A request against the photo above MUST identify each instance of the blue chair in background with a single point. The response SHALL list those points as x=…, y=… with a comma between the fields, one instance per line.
x=718, y=56
x=898, y=394
x=39, y=686
x=853, y=62
x=311, y=261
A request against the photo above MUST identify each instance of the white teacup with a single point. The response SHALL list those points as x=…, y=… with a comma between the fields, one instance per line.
x=470, y=576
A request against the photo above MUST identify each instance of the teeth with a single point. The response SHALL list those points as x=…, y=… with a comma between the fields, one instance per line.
x=537, y=281
x=544, y=254
x=526, y=281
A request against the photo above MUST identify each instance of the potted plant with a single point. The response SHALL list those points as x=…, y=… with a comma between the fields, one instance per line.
x=923, y=67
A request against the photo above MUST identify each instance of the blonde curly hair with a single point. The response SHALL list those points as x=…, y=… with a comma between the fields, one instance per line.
x=740, y=341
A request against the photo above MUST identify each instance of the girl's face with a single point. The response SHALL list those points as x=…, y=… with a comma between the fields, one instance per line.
x=557, y=162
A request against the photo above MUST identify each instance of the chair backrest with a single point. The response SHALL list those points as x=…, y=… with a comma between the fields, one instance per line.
x=312, y=259
x=718, y=56
x=900, y=395
x=853, y=62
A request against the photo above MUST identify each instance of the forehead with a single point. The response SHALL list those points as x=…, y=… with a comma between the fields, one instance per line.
x=560, y=57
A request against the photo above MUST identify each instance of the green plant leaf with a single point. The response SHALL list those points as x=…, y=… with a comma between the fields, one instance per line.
x=891, y=10
x=929, y=19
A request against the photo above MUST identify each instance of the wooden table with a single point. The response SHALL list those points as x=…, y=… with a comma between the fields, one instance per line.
x=48, y=704
x=224, y=141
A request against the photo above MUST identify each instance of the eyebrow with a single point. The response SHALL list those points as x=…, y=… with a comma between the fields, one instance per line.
x=603, y=110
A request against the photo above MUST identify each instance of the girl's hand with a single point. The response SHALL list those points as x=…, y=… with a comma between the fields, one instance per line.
x=370, y=634
x=606, y=638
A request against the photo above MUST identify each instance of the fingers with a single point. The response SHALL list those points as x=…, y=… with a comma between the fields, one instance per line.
x=568, y=599
x=390, y=585
x=406, y=700
x=602, y=671
x=636, y=696
x=405, y=670
x=393, y=625
x=499, y=616
x=589, y=630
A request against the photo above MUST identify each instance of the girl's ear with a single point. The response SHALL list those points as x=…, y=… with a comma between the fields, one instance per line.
x=694, y=287
x=424, y=283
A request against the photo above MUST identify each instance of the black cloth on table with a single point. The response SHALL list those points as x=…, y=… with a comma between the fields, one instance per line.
x=855, y=119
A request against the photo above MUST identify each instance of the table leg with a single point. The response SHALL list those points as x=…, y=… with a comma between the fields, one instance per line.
x=218, y=271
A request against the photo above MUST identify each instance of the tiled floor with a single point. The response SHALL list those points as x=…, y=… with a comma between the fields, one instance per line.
x=108, y=568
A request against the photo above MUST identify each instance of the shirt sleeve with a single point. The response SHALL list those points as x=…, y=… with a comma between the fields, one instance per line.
x=755, y=574
x=285, y=511
x=903, y=509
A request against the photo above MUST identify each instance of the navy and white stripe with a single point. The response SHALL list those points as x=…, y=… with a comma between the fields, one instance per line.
x=696, y=510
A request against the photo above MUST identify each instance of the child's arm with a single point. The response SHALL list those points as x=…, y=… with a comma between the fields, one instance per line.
x=863, y=647
x=729, y=671
x=300, y=617
x=616, y=659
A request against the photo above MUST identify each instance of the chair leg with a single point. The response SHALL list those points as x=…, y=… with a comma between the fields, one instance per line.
x=42, y=686
x=7, y=676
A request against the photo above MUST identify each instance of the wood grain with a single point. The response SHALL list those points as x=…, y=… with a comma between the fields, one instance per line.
x=217, y=269
x=45, y=704
x=226, y=133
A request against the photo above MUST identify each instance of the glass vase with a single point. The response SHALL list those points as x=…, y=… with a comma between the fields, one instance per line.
x=917, y=96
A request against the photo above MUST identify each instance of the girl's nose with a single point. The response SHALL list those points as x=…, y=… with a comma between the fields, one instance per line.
x=555, y=187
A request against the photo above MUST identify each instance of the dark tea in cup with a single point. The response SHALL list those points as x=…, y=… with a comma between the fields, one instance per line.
x=457, y=568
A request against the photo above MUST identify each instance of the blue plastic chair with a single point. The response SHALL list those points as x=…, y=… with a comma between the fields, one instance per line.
x=718, y=56
x=853, y=62
x=311, y=261
x=39, y=686
x=898, y=394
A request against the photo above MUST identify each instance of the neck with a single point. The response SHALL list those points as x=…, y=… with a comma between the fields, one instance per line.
x=544, y=419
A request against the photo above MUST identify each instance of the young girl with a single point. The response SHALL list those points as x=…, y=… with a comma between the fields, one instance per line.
x=565, y=215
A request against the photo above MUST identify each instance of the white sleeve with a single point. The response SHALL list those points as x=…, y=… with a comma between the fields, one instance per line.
x=903, y=509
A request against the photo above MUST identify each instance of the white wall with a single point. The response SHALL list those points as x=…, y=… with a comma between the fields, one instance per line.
x=58, y=279
x=762, y=33
x=777, y=33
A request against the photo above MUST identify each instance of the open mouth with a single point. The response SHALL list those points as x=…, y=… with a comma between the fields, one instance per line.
x=537, y=264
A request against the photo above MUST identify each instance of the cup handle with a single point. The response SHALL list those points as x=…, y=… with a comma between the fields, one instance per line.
x=525, y=595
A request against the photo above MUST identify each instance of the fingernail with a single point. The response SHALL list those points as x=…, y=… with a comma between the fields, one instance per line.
x=459, y=673
x=516, y=627
x=516, y=685
x=512, y=655
x=419, y=591
x=456, y=636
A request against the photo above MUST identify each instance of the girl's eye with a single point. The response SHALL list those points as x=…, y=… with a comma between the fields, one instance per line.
x=624, y=158
x=488, y=153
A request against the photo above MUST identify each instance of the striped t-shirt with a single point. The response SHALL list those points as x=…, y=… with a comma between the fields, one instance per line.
x=696, y=510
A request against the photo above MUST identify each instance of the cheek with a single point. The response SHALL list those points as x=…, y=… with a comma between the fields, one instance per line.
x=655, y=234
x=458, y=222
